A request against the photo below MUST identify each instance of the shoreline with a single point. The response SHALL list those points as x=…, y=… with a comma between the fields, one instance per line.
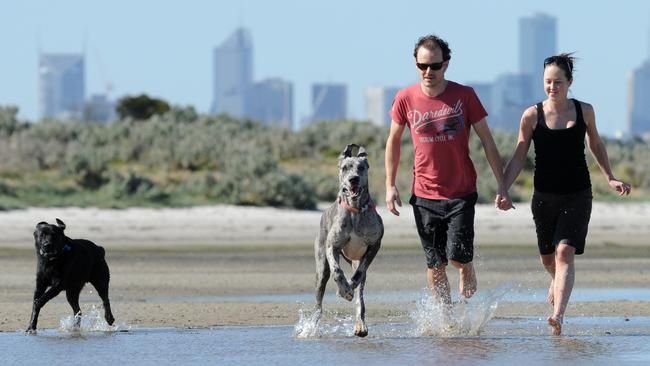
x=168, y=265
x=187, y=290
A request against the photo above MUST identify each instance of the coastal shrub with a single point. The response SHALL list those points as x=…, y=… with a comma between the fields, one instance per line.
x=180, y=157
x=135, y=187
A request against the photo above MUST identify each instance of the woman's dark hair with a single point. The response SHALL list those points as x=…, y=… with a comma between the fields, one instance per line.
x=431, y=42
x=564, y=61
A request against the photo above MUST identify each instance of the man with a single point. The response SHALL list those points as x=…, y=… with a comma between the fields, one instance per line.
x=439, y=114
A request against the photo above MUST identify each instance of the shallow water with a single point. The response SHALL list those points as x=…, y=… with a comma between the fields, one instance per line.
x=466, y=334
x=603, y=340
x=516, y=294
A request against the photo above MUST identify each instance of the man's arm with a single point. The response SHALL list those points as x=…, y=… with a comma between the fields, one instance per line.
x=393, y=151
x=502, y=199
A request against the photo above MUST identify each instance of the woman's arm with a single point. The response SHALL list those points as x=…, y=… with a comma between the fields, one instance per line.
x=599, y=152
x=516, y=163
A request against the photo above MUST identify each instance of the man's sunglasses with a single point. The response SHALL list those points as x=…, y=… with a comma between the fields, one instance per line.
x=434, y=66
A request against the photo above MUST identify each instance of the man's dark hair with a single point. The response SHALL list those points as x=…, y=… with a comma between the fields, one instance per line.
x=431, y=42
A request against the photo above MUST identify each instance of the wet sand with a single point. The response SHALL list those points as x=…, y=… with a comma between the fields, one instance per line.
x=168, y=265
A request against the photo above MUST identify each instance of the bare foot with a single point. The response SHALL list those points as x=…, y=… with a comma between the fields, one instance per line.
x=467, y=284
x=550, y=299
x=556, y=325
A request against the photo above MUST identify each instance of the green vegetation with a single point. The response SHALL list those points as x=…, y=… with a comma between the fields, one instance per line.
x=141, y=107
x=181, y=158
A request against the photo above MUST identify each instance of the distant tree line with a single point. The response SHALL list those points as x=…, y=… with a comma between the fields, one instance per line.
x=177, y=157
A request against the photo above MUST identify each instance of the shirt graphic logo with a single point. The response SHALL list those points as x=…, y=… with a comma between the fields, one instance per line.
x=446, y=121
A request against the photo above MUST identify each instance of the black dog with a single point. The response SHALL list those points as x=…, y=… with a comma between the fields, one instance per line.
x=67, y=264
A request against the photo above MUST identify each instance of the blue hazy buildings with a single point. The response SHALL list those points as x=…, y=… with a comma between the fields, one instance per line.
x=61, y=86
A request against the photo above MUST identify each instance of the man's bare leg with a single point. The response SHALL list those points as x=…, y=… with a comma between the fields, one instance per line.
x=563, y=283
x=439, y=284
x=467, y=283
x=548, y=261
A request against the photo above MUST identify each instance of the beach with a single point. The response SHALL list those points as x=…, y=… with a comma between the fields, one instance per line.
x=228, y=265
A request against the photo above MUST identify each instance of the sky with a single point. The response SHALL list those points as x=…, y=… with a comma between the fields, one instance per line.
x=164, y=48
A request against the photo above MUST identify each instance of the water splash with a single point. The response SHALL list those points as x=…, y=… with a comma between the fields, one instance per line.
x=464, y=318
x=90, y=321
x=314, y=323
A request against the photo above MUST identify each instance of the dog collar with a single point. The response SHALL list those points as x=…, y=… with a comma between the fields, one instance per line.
x=370, y=206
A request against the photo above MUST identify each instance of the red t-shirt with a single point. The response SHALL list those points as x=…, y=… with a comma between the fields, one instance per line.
x=440, y=128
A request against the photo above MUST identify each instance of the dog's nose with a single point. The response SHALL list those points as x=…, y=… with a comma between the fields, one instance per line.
x=354, y=180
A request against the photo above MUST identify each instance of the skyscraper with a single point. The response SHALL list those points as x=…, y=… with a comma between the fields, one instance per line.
x=379, y=101
x=638, y=97
x=99, y=109
x=510, y=96
x=328, y=102
x=61, y=86
x=233, y=74
x=272, y=102
x=537, y=40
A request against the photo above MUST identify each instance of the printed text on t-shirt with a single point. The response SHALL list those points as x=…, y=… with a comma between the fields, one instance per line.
x=443, y=121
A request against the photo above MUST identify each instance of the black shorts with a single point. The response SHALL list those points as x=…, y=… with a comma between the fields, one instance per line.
x=446, y=228
x=561, y=218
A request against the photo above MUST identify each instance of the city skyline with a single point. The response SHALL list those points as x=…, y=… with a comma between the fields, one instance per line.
x=169, y=55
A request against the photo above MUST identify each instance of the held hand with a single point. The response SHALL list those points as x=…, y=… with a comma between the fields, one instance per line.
x=621, y=187
x=503, y=201
x=392, y=197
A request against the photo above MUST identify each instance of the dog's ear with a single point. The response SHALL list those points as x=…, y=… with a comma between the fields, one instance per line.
x=347, y=152
x=362, y=153
x=61, y=224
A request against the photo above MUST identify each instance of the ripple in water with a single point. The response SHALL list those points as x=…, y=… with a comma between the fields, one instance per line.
x=91, y=321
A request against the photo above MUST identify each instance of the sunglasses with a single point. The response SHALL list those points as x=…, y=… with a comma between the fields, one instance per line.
x=551, y=60
x=555, y=60
x=434, y=66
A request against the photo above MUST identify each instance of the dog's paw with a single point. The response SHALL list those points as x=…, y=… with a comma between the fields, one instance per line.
x=360, y=330
x=30, y=331
x=346, y=292
x=109, y=319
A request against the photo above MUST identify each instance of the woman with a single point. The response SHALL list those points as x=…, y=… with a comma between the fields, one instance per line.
x=561, y=202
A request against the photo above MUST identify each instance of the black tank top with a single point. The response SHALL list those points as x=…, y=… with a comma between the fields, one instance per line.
x=560, y=165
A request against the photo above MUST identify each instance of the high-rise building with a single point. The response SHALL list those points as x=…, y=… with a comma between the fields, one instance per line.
x=99, y=109
x=233, y=74
x=638, y=97
x=272, y=102
x=328, y=102
x=537, y=41
x=509, y=97
x=61, y=86
x=379, y=101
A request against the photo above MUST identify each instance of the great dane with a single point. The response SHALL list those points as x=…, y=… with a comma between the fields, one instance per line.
x=350, y=227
